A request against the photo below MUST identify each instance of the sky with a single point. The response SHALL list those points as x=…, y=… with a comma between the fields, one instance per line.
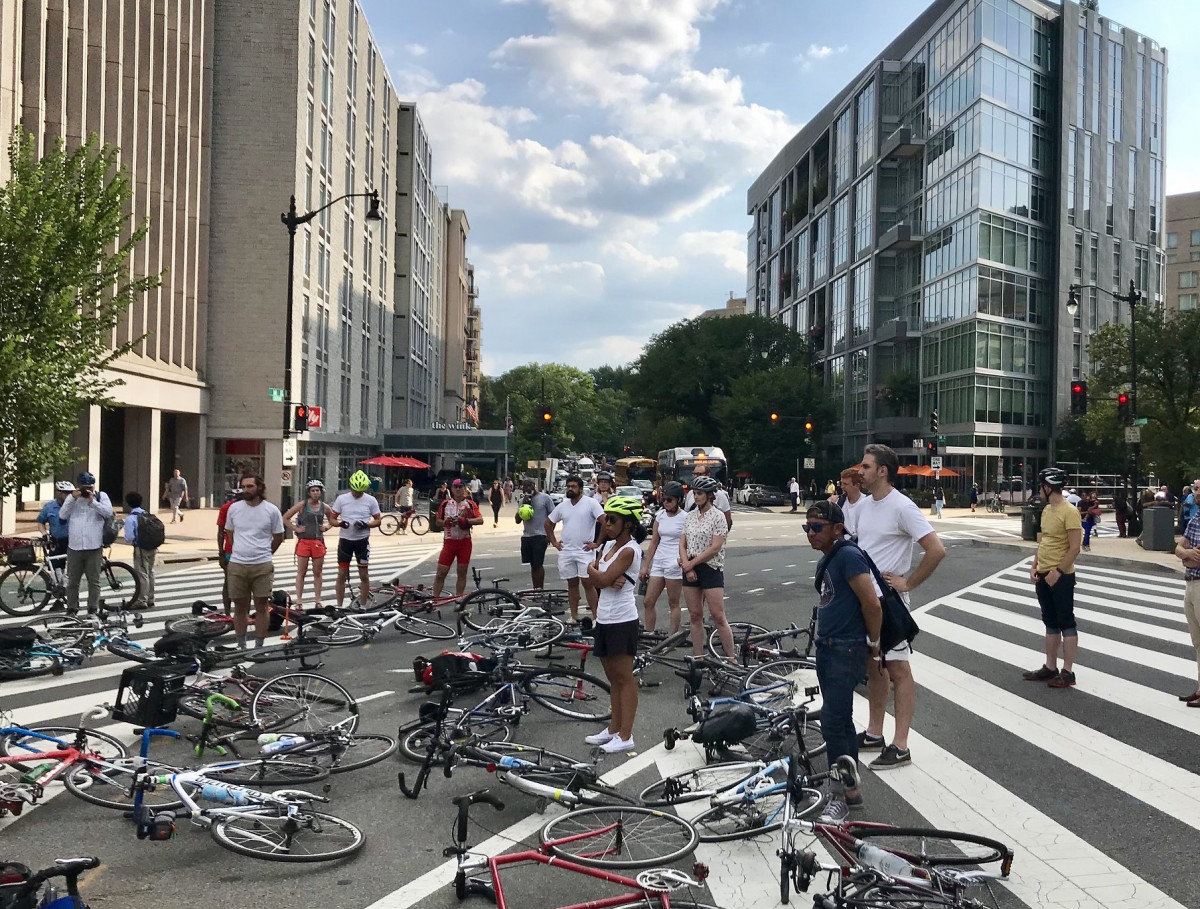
x=602, y=149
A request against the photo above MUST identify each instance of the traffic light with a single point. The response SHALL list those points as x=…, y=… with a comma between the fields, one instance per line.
x=547, y=416
x=1078, y=398
x=809, y=426
x=933, y=422
x=774, y=417
x=931, y=448
x=1123, y=409
x=300, y=418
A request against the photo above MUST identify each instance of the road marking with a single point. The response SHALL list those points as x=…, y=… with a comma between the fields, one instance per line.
x=768, y=569
x=741, y=574
x=786, y=583
x=372, y=697
x=756, y=590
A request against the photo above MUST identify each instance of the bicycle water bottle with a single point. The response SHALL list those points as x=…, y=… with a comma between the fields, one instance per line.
x=215, y=793
x=33, y=774
x=883, y=861
x=270, y=742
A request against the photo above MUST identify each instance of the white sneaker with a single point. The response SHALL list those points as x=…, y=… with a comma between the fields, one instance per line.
x=600, y=738
x=617, y=744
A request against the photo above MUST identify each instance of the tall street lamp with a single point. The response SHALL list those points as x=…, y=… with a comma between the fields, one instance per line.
x=1132, y=298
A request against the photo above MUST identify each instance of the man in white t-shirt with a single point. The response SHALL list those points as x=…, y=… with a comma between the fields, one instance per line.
x=852, y=497
x=578, y=514
x=794, y=493
x=888, y=524
x=720, y=499
x=256, y=527
x=356, y=512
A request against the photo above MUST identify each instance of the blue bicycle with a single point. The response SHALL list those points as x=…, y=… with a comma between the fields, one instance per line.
x=72, y=639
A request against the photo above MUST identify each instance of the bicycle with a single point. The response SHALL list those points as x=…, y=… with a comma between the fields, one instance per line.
x=22, y=889
x=72, y=639
x=416, y=520
x=22, y=656
x=29, y=585
x=342, y=627
x=994, y=504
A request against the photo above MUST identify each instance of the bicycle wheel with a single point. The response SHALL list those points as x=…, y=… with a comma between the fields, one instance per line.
x=129, y=650
x=569, y=692
x=337, y=632
x=62, y=632
x=749, y=818
x=205, y=626
x=118, y=583
x=288, y=650
x=350, y=753
x=269, y=771
x=25, y=590
x=415, y=744
x=698, y=783
x=20, y=745
x=304, y=702
x=108, y=784
x=898, y=896
x=16, y=665
x=419, y=524
x=523, y=634
x=928, y=846
x=193, y=704
x=417, y=624
x=620, y=837
x=281, y=834
x=740, y=631
x=554, y=601
x=482, y=609
x=389, y=524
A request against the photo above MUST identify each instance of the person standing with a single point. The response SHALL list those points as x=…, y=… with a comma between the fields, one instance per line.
x=534, y=511
x=1188, y=552
x=496, y=498
x=404, y=503
x=458, y=515
x=578, y=515
x=175, y=491
x=617, y=562
x=888, y=524
x=257, y=530
x=225, y=549
x=476, y=487
x=661, y=568
x=310, y=519
x=794, y=494
x=87, y=511
x=720, y=497
x=508, y=489
x=604, y=486
x=1089, y=514
x=849, y=617
x=974, y=496
x=441, y=494
x=852, y=497
x=49, y=519
x=1121, y=511
x=939, y=501
x=144, y=556
x=1053, y=573
x=356, y=512
x=702, y=560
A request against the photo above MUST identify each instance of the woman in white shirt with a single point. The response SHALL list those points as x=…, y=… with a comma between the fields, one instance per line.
x=661, y=565
x=617, y=563
x=702, y=558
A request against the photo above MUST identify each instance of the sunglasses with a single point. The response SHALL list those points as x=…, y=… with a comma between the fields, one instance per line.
x=815, y=527
x=611, y=519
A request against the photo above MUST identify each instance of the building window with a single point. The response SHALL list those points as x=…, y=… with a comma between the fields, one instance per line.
x=1195, y=238
x=1071, y=154
x=1116, y=66
x=1172, y=240
x=1110, y=165
x=1187, y=279
x=864, y=211
x=843, y=145
x=838, y=312
x=866, y=126
x=861, y=312
x=1116, y=265
x=841, y=231
x=1187, y=302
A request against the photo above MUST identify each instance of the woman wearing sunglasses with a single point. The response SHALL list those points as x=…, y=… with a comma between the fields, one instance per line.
x=702, y=558
x=613, y=572
x=661, y=565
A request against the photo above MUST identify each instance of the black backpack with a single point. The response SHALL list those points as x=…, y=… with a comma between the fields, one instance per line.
x=150, y=531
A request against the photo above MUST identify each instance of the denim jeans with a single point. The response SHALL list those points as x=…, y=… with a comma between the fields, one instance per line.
x=841, y=665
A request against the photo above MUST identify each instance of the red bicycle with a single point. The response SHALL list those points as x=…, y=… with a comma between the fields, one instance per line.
x=595, y=843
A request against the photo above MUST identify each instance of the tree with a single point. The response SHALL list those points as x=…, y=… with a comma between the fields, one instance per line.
x=1168, y=375
x=65, y=282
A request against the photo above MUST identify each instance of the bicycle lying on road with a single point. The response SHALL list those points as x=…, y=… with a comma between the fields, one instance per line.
x=21, y=888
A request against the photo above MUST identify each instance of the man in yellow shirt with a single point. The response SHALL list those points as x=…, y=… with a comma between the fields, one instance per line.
x=1053, y=571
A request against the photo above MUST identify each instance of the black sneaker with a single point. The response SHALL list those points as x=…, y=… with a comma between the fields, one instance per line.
x=891, y=757
x=868, y=742
x=835, y=811
x=1044, y=674
x=1063, y=679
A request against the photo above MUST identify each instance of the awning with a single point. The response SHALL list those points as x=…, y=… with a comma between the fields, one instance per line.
x=395, y=461
x=924, y=470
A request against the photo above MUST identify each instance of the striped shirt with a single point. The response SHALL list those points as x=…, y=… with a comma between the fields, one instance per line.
x=85, y=520
x=1192, y=534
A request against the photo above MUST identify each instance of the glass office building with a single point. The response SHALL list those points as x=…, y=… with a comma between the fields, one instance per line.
x=923, y=228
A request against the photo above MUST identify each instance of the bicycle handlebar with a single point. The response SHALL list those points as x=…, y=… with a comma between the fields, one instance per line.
x=464, y=803
x=68, y=868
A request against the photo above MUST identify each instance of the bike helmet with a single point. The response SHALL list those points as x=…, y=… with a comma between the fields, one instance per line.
x=604, y=475
x=359, y=481
x=319, y=485
x=1054, y=477
x=64, y=486
x=705, y=483
x=626, y=506
x=673, y=490
x=86, y=479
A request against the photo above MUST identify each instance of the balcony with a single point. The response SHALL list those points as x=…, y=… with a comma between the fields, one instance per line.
x=905, y=235
x=902, y=144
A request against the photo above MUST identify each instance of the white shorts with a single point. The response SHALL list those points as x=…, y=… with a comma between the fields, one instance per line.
x=901, y=654
x=573, y=563
x=666, y=569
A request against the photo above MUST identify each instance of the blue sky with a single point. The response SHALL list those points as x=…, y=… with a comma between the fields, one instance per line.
x=602, y=148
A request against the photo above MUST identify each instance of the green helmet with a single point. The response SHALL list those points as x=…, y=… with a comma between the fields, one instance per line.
x=359, y=481
x=525, y=512
x=624, y=505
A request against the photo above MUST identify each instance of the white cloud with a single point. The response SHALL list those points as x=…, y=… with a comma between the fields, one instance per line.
x=818, y=52
x=754, y=50
x=726, y=246
x=416, y=50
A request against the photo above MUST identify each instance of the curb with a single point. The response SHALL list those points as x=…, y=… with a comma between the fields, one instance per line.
x=1086, y=558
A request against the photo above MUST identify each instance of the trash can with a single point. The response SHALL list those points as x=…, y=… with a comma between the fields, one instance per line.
x=1031, y=521
x=1158, y=534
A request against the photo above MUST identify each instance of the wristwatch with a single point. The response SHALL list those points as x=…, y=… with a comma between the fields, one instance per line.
x=872, y=643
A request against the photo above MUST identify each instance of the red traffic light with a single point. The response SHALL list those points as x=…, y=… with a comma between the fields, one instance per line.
x=1077, y=388
x=1122, y=398
x=301, y=411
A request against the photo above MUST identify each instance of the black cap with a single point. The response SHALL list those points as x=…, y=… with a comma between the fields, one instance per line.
x=830, y=511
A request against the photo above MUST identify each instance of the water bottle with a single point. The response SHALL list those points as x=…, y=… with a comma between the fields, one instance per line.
x=271, y=743
x=883, y=861
x=215, y=793
x=33, y=774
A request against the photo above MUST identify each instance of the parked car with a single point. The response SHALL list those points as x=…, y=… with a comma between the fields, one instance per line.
x=764, y=495
x=742, y=494
x=634, y=491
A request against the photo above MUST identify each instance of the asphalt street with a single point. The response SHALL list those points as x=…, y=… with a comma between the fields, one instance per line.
x=1095, y=786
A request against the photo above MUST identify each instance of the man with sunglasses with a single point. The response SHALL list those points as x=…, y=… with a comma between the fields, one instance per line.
x=86, y=511
x=849, y=617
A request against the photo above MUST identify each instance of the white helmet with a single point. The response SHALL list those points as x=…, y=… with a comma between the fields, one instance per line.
x=314, y=483
x=64, y=486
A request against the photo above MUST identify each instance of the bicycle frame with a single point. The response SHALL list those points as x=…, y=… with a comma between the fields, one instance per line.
x=64, y=759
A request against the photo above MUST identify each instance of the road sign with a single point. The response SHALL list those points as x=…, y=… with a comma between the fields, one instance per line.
x=277, y=394
x=289, y=452
x=314, y=418
x=286, y=477
x=918, y=443
x=941, y=438
x=1141, y=421
x=935, y=462
x=810, y=463
x=1133, y=433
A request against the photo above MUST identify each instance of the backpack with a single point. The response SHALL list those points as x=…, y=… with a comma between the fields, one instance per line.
x=150, y=531
x=726, y=724
x=112, y=529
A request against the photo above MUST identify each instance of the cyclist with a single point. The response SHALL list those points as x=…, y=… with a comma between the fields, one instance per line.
x=87, y=511
x=403, y=502
x=1053, y=573
x=49, y=522
x=579, y=515
x=458, y=515
x=702, y=559
x=533, y=513
x=661, y=565
x=310, y=519
x=356, y=512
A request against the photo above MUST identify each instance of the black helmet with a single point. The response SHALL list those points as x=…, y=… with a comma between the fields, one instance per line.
x=673, y=490
x=705, y=483
x=1054, y=477
x=604, y=475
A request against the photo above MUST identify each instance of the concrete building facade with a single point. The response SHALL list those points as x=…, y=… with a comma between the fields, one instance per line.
x=138, y=76
x=923, y=228
x=1182, y=285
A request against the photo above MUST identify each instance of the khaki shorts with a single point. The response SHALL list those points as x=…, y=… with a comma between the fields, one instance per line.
x=250, y=580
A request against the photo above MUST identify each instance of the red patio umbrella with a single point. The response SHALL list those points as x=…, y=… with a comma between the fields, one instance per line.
x=384, y=460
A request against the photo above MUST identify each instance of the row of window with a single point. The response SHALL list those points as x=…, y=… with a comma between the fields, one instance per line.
x=1173, y=239
x=990, y=184
x=992, y=129
x=991, y=399
x=980, y=344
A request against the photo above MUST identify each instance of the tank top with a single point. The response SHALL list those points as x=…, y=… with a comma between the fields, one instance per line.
x=311, y=522
x=620, y=605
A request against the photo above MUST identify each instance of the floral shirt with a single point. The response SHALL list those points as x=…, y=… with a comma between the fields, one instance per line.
x=699, y=528
x=1192, y=534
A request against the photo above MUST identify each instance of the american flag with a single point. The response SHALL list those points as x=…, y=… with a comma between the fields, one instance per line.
x=471, y=412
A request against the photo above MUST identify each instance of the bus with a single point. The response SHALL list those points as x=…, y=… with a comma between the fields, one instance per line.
x=630, y=469
x=679, y=464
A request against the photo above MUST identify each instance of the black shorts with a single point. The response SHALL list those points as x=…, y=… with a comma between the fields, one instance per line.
x=618, y=639
x=533, y=550
x=360, y=549
x=1058, y=604
x=707, y=578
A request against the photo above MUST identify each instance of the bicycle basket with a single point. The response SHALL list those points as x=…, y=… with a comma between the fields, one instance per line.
x=17, y=638
x=149, y=695
x=726, y=724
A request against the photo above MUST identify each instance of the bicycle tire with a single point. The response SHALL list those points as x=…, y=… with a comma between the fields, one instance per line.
x=389, y=524
x=342, y=632
x=193, y=703
x=201, y=626
x=276, y=833
x=989, y=850
x=898, y=896
x=740, y=630
x=419, y=524
x=108, y=785
x=61, y=631
x=553, y=600
x=698, y=783
x=745, y=819
x=307, y=702
x=414, y=743
x=288, y=650
x=523, y=634
x=25, y=590
x=21, y=664
x=128, y=650
x=266, y=772
x=18, y=745
x=569, y=692
x=644, y=837
x=360, y=750
x=417, y=624
x=117, y=580
x=478, y=608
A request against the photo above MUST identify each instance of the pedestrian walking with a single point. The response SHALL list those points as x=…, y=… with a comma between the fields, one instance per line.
x=1089, y=513
x=889, y=522
x=1053, y=573
x=476, y=489
x=356, y=512
x=1188, y=552
x=49, y=520
x=256, y=527
x=794, y=494
x=532, y=514
x=578, y=515
x=702, y=560
x=849, y=617
x=939, y=501
x=225, y=550
x=1121, y=511
x=617, y=562
x=458, y=514
x=974, y=496
x=87, y=512
x=311, y=519
x=175, y=491
x=508, y=489
x=145, y=535
x=496, y=498
x=660, y=568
